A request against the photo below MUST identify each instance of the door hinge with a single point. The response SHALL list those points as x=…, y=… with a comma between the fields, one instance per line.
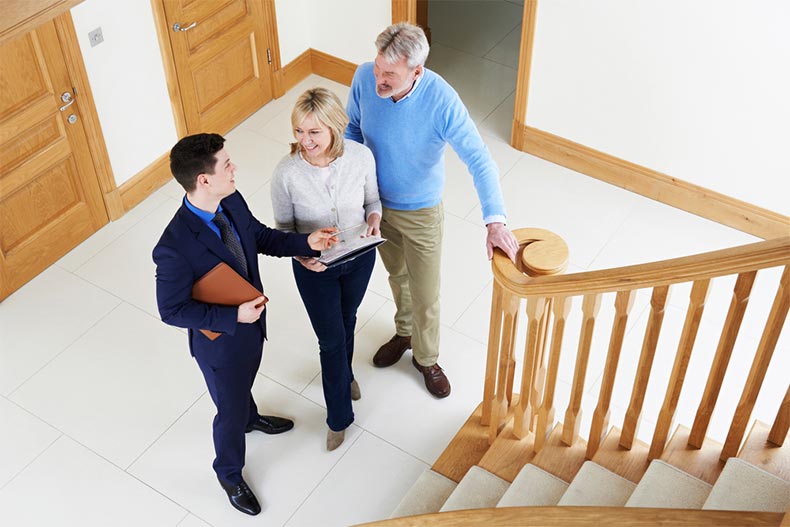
x=269, y=55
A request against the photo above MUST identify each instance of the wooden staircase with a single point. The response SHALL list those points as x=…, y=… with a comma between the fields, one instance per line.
x=531, y=306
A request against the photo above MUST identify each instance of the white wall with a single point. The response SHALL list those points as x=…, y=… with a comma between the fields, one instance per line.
x=294, y=20
x=128, y=79
x=343, y=28
x=128, y=83
x=696, y=89
x=348, y=28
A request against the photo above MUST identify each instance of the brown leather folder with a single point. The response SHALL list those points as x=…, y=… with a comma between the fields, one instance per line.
x=224, y=286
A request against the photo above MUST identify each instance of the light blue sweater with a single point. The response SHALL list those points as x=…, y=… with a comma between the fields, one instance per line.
x=408, y=140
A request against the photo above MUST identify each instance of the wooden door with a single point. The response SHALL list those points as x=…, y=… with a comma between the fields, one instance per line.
x=50, y=199
x=221, y=60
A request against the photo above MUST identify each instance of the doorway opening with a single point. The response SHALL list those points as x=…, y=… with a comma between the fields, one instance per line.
x=475, y=47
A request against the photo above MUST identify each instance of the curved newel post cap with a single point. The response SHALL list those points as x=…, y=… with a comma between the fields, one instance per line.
x=541, y=253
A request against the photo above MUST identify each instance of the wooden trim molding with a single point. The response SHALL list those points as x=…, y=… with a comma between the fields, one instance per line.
x=404, y=11
x=273, y=43
x=332, y=67
x=524, y=71
x=293, y=73
x=146, y=181
x=655, y=185
x=64, y=25
x=20, y=16
x=171, y=76
x=314, y=61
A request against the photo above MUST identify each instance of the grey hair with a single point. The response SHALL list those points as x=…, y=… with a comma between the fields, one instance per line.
x=403, y=40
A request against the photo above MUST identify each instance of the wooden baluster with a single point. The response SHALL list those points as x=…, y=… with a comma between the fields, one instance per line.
x=732, y=324
x=510, y=305
x=539, y=377
x=634, y=412
x=623, y=303
x=765, y=350
x=781, y=425
x=699, y=292
x=492, y=360
x=561, y=307
x=570, y=428
x=523, y=411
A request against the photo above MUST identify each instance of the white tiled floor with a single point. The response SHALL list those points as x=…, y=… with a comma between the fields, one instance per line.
x=105, y=418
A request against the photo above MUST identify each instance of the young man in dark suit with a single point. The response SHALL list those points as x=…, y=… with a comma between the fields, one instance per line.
x=215, y=225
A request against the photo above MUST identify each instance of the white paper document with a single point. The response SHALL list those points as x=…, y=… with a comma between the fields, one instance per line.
x=351, y=243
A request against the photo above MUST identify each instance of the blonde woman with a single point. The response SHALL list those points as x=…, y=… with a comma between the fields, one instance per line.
x=326, y=180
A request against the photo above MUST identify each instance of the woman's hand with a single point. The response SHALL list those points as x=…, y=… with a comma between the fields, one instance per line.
x=374, y=223
x=322, y=239
x=311, y=263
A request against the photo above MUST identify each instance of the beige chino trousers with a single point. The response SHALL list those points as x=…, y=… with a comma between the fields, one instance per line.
x=413, y=259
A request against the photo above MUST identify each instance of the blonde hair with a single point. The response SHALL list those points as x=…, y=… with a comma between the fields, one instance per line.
x=327, y=108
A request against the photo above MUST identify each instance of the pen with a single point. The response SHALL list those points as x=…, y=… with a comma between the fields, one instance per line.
x=349, y=229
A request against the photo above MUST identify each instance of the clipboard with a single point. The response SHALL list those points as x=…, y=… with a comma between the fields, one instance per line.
x=352, y=244
x=223, y=286
x=341, y=257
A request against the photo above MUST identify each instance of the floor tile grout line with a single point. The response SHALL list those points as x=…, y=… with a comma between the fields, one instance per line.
x=25, y=467
x=318, y=484
x=471, y=55
x=65, y=348
x=114, y=239
x=393, y=445
x=167, y=429
x=468, y=307
x=121, y=235
x=186, y=515
x=103, y=458
x=503, y=39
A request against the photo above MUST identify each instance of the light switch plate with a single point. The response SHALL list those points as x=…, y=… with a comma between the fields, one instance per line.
x=96, y=37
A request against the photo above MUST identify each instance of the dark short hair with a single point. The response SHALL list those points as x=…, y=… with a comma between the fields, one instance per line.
x=194, y=155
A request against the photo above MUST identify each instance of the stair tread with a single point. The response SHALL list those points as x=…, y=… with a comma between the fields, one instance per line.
x=745, y=487
x=508, y=454
x=560, y=459
x=479, y=489
x=466, y=449
x=630, y=464
x=428, y=494
x=667, y=487
x=702, y=463
x=533, y=487
x=760, y=453
x=595, y=485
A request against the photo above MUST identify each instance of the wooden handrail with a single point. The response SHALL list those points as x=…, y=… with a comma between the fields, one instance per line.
x=754, y=256
x=585, y=516
x=534, y=279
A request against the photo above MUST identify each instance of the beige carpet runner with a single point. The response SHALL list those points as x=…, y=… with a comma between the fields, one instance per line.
x=741, y=486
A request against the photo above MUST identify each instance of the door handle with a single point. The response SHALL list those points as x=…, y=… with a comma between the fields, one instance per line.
x=177, y=26
x=68, y=99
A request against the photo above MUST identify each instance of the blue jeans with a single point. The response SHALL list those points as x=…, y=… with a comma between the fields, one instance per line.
x=331, y=299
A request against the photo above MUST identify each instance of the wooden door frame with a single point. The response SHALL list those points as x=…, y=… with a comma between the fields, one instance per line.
x=40, y=12
x=67, y=35
x=171, y=76
x=409, y=11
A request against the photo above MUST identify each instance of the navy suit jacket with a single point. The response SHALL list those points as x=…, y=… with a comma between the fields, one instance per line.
x=188, y=249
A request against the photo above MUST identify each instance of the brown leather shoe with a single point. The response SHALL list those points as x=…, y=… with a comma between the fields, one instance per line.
x=435, y=379
x=391, y=352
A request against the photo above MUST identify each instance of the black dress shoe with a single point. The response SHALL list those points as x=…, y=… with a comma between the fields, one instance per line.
x=241, y=497
x=270, y=424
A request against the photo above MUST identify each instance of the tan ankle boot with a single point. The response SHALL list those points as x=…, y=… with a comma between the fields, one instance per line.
x=334, y=439
x=356, y=394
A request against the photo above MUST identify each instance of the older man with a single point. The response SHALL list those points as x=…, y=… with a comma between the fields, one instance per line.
x=406, y=114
